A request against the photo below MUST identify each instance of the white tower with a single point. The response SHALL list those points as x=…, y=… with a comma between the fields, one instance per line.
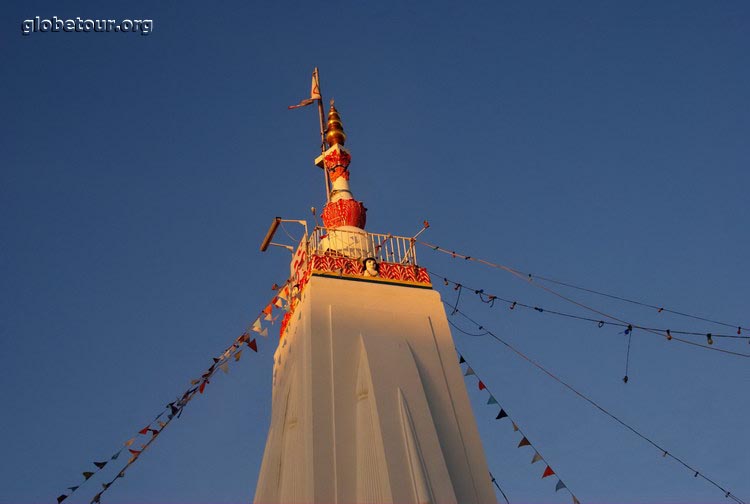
x=369, y=402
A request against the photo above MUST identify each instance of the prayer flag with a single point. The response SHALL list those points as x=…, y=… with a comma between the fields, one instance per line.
x=524, y=442
x=482, y=386
x=502, y=414
x=314, y=92
x=491, y=400
x=253, y=345
x=548, y=472
x=536, y=458
x=560, y=485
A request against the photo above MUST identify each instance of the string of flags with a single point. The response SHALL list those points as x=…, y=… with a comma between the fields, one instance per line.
x=668, y=334
x=664, y=452
x=530, y=278
x=139, y=443
x=503, y=414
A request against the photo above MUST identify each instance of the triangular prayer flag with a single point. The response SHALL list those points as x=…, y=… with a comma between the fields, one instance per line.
x=100, y=465
x=87, y=475
x=276, y=301
x=264, y=332
x=469, y=371
x=114, y=457
x=216, y=360
x=548, y=472
x=73, y=488
x=105, y=485
x=257, y=325
x=253, y=345
x=237, y=355
x=224, y=367
x=161, y=424
x=61, y=498
x=121, y=474
x=97, y=498
x=502, y=414
x=134, y=452
x=560, y=485
x=129, y=442
x=491, y=400
x=482, y=386
x=524, y=442
x=515, y=427
x=194, y=382
x=154, y=433
x=144, y=430
x=202, y=387
x=267, y=311
x=536, y=458
x=461, y=359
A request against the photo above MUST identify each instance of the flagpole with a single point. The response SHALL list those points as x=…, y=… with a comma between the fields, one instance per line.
x=322, y=134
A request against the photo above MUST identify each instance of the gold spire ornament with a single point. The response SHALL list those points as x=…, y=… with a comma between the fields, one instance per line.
x=334, y=129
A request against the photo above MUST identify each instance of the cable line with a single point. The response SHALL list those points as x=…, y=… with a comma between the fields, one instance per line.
x=583, y=396
x=528, y=278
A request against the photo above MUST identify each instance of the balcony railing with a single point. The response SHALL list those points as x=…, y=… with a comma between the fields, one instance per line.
x=361, y=244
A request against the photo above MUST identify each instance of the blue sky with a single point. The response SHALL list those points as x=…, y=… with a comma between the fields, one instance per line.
x=601, y=143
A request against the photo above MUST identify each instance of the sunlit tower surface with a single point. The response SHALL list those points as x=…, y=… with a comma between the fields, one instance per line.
x=369, y=403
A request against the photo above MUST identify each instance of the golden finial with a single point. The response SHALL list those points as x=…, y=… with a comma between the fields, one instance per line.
x=334, y=130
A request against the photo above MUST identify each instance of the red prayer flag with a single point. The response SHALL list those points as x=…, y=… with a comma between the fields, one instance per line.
x=144, y=430
x=134, y=452
x=253, y=344
x=202, y=387
x=548, y=472
x=482, y=386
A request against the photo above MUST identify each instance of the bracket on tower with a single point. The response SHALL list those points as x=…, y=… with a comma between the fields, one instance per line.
x=272, y=230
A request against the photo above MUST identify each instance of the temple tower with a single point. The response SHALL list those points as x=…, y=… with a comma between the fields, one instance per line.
x=369, y=403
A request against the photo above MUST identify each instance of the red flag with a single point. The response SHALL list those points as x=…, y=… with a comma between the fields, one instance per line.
x=144, y=430
x=548, y=472
x=252, y=344
x=135, y=452
x=202, y=387
x=482, y=386
x=524, y=442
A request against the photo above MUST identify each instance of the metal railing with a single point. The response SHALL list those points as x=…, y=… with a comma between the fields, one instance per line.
x=361, y=244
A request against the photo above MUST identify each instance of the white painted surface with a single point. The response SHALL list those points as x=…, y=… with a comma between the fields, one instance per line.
x=369, y=403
